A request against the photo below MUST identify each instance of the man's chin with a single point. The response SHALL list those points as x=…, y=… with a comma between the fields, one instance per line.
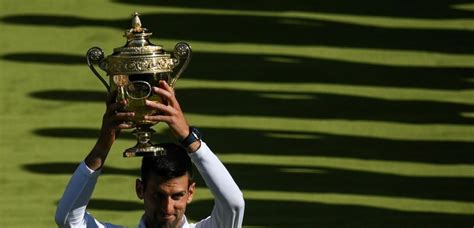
x=167, y=221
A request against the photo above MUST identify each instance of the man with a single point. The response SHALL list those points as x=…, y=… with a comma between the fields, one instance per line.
x=166, y=187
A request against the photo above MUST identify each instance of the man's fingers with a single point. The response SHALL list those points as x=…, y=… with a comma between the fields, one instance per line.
x=125, y=126
x=165, y=86
x=122, y=120
x=168, y=110
x=159, y=118
x=124, y=115
x=163, y=93
x=167, y=92
x=115, y=107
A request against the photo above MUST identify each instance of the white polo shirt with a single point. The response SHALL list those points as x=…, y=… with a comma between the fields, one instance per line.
x=228, y=208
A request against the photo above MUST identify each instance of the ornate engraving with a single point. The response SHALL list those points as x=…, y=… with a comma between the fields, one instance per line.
x=95, y=54
x=139, y=65
x=182, y=49
x=139, y=50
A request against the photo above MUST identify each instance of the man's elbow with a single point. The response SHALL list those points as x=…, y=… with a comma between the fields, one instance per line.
x=238, y=203
x=60, y=219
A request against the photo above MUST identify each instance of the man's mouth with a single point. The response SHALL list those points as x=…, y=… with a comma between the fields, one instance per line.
x=167, y=216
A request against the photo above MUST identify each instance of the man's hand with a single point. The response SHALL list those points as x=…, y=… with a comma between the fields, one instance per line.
x=170, y=113
x=112, y=122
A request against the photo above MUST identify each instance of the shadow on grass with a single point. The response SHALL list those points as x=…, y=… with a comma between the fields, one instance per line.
x=314, y=180
x=308, y=144
x=46, y=58
x=392, y=8
x=284, y=68
x=327, y=106
x=273, y=30
x=279, y=213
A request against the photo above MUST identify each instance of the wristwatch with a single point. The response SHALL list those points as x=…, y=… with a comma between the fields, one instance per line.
x=194, y=135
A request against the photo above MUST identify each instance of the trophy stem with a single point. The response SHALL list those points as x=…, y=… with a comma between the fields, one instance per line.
x=144, y=146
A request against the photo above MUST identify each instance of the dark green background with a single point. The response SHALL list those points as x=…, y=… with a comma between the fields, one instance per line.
x=327, y=113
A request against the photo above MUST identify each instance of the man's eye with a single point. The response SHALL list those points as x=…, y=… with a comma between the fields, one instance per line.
x=178, y=196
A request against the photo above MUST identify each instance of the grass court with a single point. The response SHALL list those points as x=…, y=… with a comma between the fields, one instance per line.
x=327, y=113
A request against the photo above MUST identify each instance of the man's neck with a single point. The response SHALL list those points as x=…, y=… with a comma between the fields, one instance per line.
x=146, y=223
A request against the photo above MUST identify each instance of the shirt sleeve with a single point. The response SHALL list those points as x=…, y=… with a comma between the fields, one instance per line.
x=229, y=203
x=71, y=210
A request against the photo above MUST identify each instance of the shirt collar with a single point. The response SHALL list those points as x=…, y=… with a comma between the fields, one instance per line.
x=185, y=223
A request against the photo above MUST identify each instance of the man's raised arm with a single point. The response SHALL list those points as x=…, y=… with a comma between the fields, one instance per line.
x=71, y=210
x=229, y=203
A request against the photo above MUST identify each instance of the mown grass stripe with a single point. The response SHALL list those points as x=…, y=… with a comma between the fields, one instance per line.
x=412, y=169
x=461, y=97
x=393, y=203
x=357, y=55
x=365, y=20
x=366, y=128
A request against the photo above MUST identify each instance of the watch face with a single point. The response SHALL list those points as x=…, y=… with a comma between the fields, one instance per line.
x=196, y=133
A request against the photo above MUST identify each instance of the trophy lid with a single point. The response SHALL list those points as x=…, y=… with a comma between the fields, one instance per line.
x=138, y=39
x=139, y=55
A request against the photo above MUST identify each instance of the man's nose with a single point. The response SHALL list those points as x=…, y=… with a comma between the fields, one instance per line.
x=167, y=205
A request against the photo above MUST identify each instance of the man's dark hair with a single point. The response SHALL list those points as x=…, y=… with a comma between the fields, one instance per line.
x=175, y=163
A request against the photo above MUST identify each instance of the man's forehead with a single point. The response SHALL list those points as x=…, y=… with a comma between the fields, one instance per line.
x=156, y=180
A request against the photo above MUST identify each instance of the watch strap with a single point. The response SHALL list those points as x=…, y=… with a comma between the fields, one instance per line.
x=193, y=136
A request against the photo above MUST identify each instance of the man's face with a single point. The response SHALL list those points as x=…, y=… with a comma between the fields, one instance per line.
x=165, y=200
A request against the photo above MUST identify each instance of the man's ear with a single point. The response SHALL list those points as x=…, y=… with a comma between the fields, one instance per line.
x=191, y=190
x=139, y=189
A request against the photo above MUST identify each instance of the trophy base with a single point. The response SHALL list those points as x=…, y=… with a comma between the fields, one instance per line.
x=147, y=151
x=144, y=146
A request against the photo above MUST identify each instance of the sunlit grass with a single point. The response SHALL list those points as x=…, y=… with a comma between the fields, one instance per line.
x=394, y=203
x=304, y=89
x=411, y=169
x=356, y=55
x=29, y=196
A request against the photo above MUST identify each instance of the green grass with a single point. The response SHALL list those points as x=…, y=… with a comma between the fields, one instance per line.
x=327, y=114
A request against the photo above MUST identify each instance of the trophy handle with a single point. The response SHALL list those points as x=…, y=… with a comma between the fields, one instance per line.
x=96, y=55
x=184, y=52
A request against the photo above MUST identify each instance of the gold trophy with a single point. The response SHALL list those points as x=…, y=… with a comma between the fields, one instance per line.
x=133, y=70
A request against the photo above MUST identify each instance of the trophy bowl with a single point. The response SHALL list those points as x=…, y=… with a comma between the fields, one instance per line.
x=133, y=70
